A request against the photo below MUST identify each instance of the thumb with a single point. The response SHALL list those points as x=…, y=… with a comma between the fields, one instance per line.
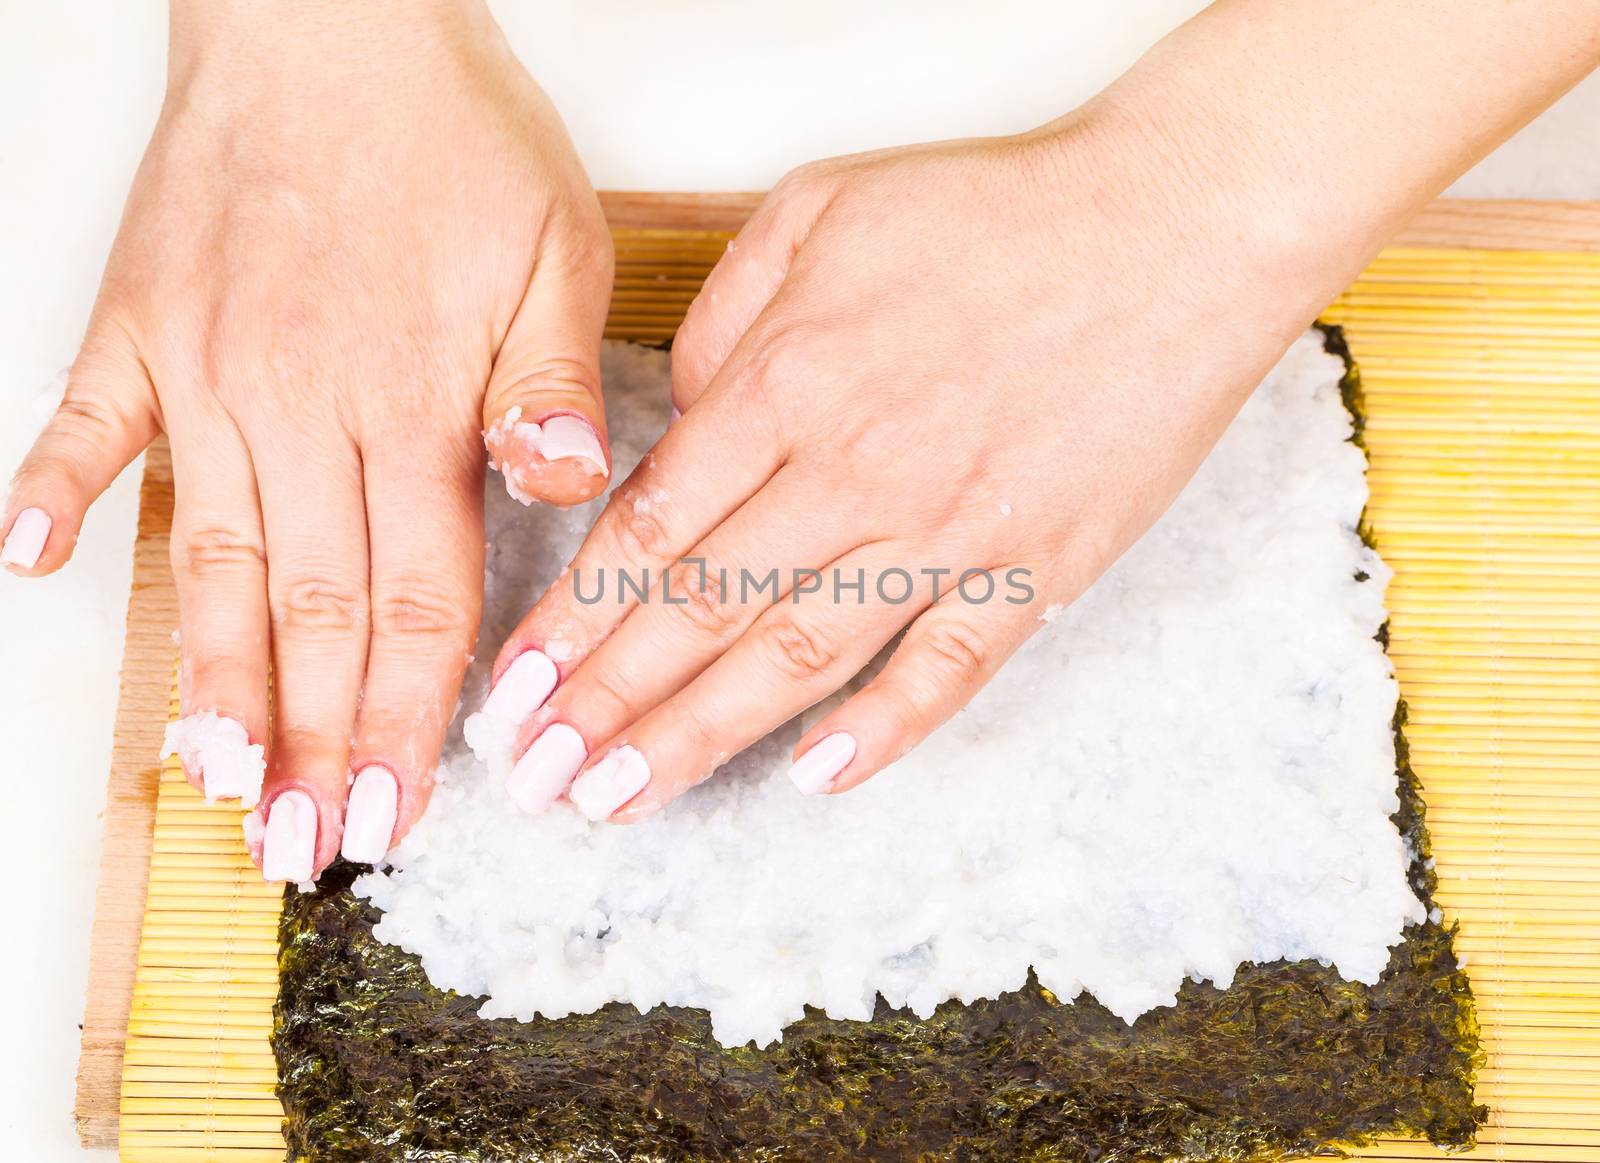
x=544, y=420
x=106, y=417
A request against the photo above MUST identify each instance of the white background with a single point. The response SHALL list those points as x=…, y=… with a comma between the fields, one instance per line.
x=659, y=94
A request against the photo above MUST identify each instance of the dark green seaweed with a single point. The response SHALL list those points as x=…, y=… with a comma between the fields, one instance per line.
x=377, y=1064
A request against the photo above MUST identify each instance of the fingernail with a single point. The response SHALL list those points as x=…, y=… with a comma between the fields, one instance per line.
x=218, y=749
x=523, y=688
x=814, y=772
x=491, y=731
x=27, y=538
x=609, y=784
x=369, y=817
x=571, y=438
x=291, y=838
x=546, y=768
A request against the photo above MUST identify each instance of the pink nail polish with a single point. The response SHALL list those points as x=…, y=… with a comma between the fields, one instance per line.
x=814, y=772
x=571, y=438
x=546, y=768
x=369, y=816
x=25, y=543
x=492, y=731
x=514, y=442
x=609, y=784
x=523, y=688
x=290, y=842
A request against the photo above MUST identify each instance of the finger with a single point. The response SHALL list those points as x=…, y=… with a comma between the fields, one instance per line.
x=742, y=283
x=106, y=418
x=946, y=657
x=753, y=560
x=425, y=521
x=795, y=654
x=316, y=534
x=653, y=518
x=543, y=415
x=219, y=565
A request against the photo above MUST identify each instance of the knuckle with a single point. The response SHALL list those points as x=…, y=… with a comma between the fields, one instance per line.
x=551, y=374
x=701, y=601
x=44, y=471
x=869, y=446
x=211, y=659
x=88, y=417
x=778, y=363
x=306, y=740
x=800, y=652
x=957, y=652
x=773, y=395
x=703, y=738
x=319, y=605
x=904, y=717
x=419, y=609
x=636, y=525
x=212, y=551
x=82, y=427
x=294, y=332
x=604, y=697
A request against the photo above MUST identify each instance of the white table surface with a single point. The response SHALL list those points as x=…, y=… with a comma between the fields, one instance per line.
x=659, y=94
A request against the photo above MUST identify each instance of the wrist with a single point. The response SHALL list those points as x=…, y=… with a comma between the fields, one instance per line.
x=1174, y=197
x=1237, y=220
x=225, y=44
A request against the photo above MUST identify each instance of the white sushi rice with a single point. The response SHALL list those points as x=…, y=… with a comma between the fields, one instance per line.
x=1190, y=767
x=219, y=750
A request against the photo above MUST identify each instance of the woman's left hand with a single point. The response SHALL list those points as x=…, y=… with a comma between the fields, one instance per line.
x=1001, y=355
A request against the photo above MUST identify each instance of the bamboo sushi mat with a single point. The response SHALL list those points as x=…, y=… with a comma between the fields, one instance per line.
x=1482, y=378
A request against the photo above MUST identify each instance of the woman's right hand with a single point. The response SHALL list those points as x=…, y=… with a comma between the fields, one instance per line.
x=359, y=241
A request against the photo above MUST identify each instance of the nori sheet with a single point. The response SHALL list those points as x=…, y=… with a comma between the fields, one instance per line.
x=377, y=1064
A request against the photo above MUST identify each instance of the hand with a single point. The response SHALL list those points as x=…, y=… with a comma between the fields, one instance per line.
x=360, y=238
x=1004, y=356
